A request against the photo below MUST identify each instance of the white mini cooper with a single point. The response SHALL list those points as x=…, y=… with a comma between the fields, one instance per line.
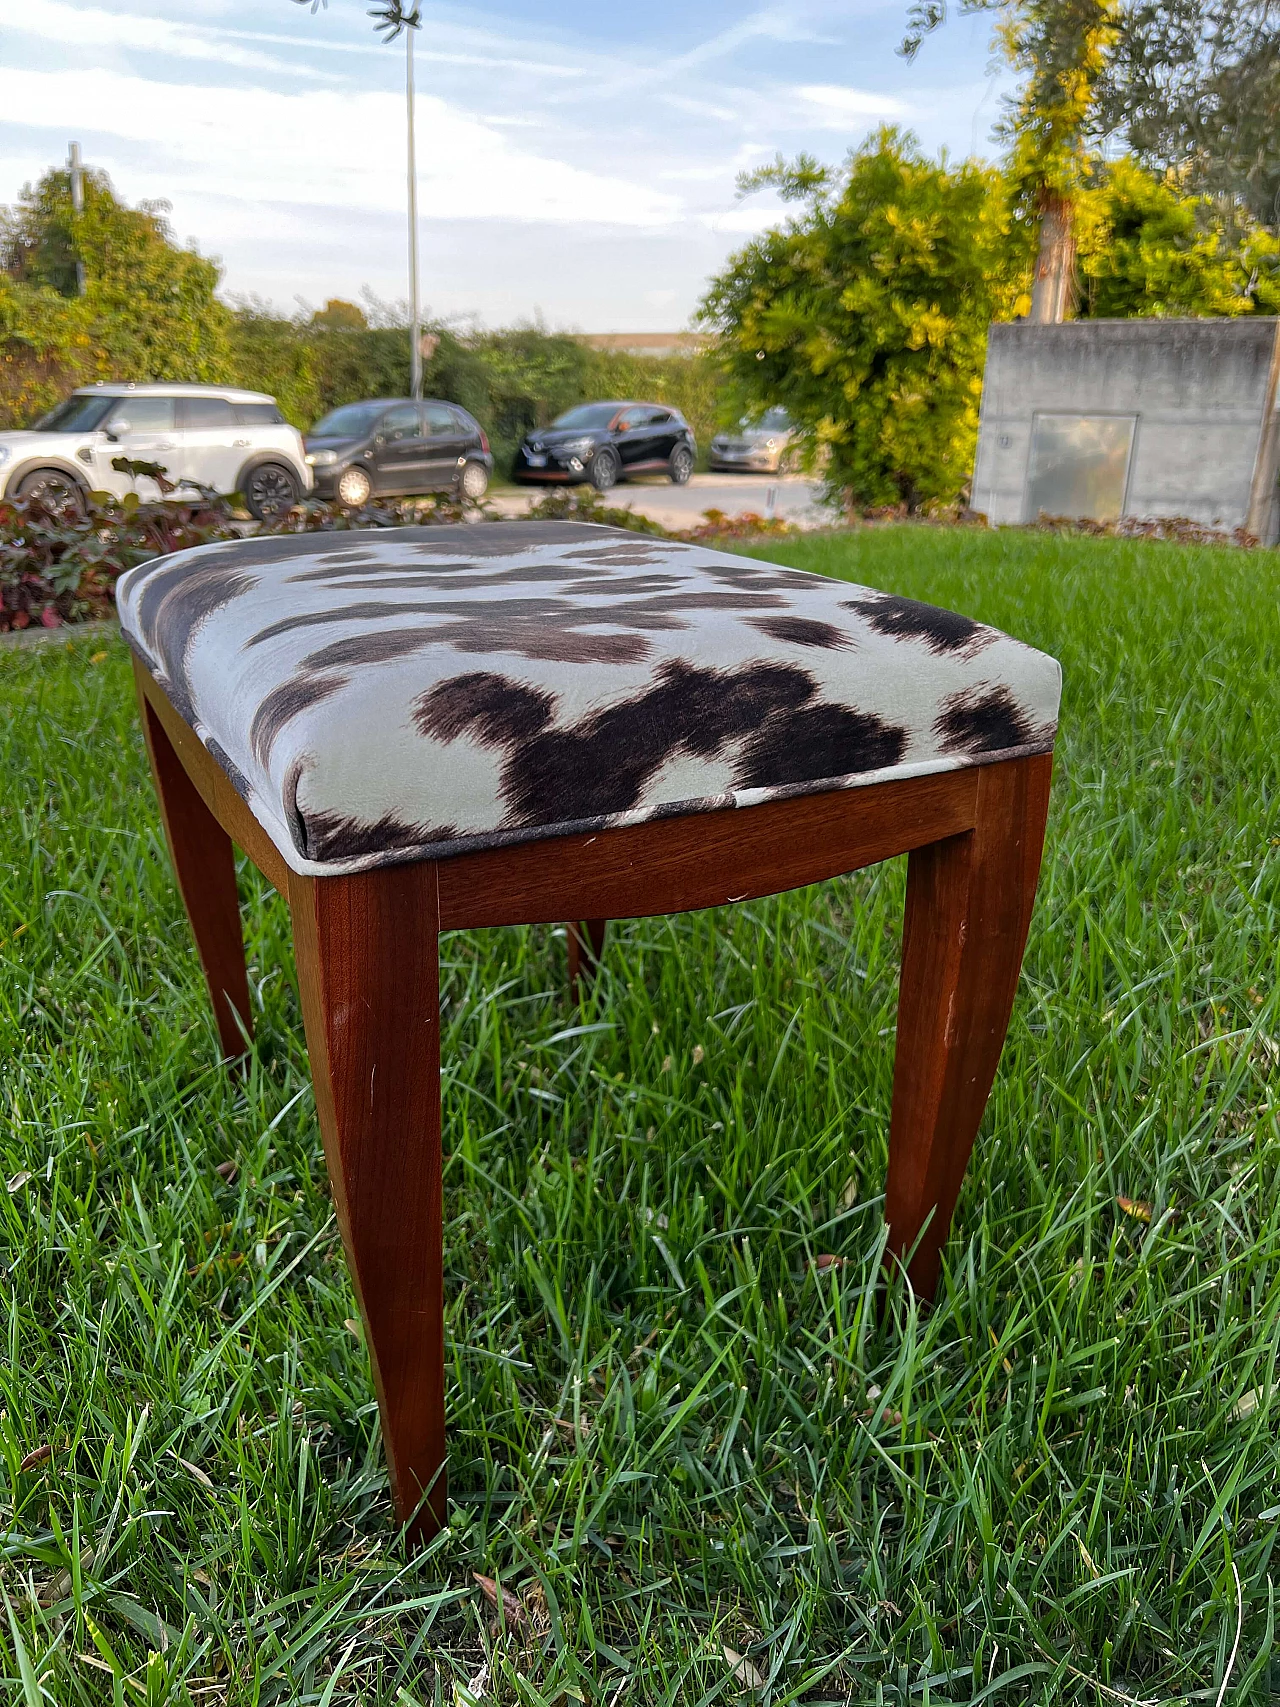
x=202, y=435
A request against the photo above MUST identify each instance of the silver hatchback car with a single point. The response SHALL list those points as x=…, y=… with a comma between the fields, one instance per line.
x=756, y=447
x=201, y=435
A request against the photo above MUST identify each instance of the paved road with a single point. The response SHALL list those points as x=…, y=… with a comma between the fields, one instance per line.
x=794, y=498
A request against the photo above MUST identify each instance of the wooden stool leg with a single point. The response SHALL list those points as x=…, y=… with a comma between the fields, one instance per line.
x=205, y=863
x=969, y=901
x=586, y=945
x=368, y=972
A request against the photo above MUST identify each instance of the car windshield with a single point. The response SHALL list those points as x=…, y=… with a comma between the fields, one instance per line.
x=587, y=415
x=80, y=413
x=772, y=421
x=352, y=421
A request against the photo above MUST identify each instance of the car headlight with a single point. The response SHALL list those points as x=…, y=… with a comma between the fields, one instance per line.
x=771, y=444
x=4, y=453
x=576, y=447
x=321, y=458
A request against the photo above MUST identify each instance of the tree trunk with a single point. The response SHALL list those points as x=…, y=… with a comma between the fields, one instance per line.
x=1053, y=292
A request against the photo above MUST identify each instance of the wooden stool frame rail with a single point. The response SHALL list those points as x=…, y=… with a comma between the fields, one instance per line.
x=366, y=947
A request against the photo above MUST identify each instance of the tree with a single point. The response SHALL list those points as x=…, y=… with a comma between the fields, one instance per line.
x=1195, y=84
x=866, y=315
x=1062, y=47
x=1188, y=84
x=337, y=315
x=149, y=302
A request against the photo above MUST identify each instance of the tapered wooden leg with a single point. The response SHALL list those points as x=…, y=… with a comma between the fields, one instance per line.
x=369, y=979
x=205, y=863
x=969, y=901
x=586, y=945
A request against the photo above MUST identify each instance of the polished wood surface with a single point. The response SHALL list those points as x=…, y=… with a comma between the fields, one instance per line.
x=205, y=864
x=366, y=949
x=367, y=956
x=704, y=859
x=969, y=901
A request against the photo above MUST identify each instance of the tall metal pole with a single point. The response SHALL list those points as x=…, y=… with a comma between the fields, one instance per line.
x=76, y=169
x=415, y=313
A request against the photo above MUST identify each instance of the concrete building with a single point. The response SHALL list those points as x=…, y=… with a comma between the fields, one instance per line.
x=1101, y=419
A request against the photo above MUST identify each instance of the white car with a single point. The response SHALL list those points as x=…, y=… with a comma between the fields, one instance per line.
x=205, y=435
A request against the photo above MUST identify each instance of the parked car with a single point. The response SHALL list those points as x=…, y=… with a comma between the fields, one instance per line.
x=201, y=435
x=605, y=442
x=394, y=447
x=757, y=446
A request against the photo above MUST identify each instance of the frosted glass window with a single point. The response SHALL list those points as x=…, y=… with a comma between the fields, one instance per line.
x=1079, y=466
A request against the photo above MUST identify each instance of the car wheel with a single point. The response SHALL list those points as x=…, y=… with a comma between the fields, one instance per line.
x=680, y=467
x=604, y=469
x=354, y=487
x=475, y=481
x=270, y=490
x=52, y=487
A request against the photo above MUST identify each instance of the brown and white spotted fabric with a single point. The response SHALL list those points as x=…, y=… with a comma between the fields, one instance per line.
x=410, y=693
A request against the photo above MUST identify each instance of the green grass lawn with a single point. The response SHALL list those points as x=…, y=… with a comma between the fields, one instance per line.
x=670, y=1433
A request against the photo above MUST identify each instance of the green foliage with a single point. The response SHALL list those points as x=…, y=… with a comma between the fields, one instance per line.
x=47, y=347
x=1195, y=85
x=340, y=315
x=1186, y=84
x=1148, y=248
x=60, y=563
x=866, y=315
x=148, y=311
x=1061, y=49
x=669, y=1431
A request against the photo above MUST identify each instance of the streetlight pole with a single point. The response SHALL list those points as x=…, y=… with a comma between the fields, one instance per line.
x=76, y=168
x=415, y=312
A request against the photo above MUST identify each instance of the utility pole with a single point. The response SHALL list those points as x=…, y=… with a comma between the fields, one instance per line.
x=415, y=312
x=76, y=168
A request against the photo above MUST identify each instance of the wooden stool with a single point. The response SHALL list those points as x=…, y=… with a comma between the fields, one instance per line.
x=421, y=729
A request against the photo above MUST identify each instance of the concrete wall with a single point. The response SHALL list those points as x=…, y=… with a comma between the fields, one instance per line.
x=1203, y=391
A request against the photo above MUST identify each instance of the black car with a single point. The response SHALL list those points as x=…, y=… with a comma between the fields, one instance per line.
x=393, y=447
x=605, y=442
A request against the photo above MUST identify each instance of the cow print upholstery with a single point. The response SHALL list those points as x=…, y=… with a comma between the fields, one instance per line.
x=387, y=695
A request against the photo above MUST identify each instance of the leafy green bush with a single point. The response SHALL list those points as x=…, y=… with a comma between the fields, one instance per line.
x=60, y=562
x=148, y=311
x=1148, y=248
x=867, y=315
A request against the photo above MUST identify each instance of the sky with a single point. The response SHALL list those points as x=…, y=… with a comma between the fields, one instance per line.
x=577, y=165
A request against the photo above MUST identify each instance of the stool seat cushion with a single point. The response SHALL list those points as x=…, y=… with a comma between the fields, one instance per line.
x=383, y=695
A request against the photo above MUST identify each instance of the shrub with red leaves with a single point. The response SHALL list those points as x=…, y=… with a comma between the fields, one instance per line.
x=59, y=562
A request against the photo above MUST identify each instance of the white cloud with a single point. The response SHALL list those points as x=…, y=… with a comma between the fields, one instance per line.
x=91, y=27
x=589, y=172
x=323, y=148
x=73, y=25
x=831, y=106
